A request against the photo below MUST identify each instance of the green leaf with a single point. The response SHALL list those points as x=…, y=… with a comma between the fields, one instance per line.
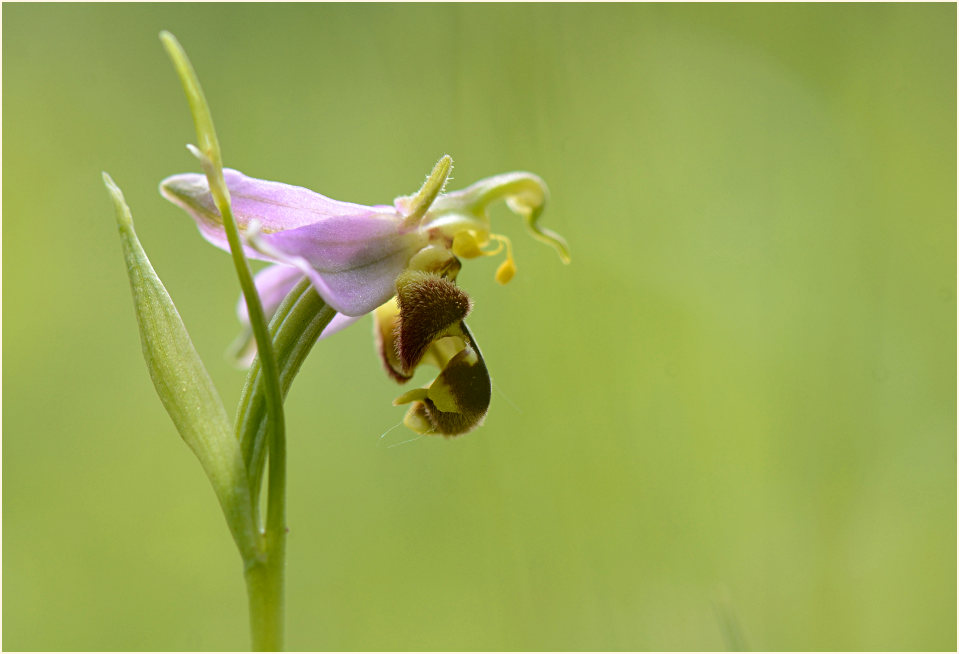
x=184, y=386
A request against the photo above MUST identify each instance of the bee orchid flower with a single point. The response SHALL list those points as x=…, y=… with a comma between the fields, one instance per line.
x=400, y=260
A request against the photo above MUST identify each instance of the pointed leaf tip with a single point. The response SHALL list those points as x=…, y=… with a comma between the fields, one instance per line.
x=123, y=215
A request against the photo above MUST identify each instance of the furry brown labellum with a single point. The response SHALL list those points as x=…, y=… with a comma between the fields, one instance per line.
x=430, y=307
x=424, y=324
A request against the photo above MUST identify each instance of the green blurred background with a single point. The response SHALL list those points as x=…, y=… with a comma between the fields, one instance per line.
x=731, y=421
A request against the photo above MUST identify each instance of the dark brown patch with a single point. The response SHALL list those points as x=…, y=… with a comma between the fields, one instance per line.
x=429, y=305
x=470, y=387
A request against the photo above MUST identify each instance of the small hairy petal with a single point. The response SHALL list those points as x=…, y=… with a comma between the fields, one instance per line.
x=429, y=306
x=385, y=321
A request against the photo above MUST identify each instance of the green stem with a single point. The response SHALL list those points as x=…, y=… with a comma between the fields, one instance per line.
x=264, y=585
x=267, y=569
x=295, y=327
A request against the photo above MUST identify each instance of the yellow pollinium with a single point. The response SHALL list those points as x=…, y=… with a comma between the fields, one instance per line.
x=466, y=244
x=469, y=244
